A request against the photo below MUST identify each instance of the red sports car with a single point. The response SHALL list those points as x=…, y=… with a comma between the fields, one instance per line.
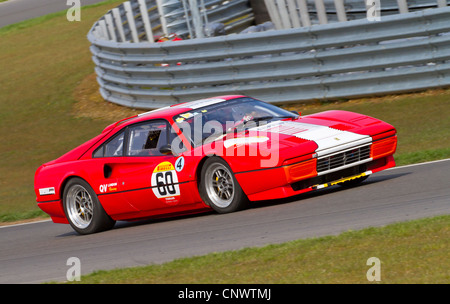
x=217, y=153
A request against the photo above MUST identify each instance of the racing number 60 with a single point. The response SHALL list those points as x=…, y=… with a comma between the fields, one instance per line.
x=164, y=183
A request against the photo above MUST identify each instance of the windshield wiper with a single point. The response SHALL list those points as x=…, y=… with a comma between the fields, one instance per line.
x=257, y=119
x=270, y=117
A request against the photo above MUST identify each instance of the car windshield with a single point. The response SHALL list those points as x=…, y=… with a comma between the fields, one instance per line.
x=206, y=124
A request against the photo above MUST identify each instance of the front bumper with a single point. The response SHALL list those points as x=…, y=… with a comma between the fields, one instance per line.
x=308, y=173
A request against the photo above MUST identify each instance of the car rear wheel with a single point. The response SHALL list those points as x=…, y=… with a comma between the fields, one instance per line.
x=219, y=187
x=83, y=209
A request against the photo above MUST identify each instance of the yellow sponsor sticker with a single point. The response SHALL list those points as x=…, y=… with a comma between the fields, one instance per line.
x=164, y=166
x=343, y=180
x=348, y=179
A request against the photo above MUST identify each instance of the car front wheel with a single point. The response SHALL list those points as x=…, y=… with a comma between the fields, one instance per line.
x=219, y=187
x=83, y=209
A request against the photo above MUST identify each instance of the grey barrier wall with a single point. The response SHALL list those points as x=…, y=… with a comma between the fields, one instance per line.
x=401, y=53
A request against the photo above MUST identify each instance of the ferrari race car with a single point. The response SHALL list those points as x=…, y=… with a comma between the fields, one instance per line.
x=212, y=154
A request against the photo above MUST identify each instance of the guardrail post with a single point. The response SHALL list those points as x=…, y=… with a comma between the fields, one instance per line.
x=110, y=26
x=205, y=15
x=188, y=22
x=196, y=19
x=441, y=3
x=162, y=17
x=282, y=10
x=130, y=19
x=402, y=6
x=273, y=13
x=283, y=13
x=146, y=20
x=321, y=12
x=102, y=29
x=295, y=21
x=340, y=10
x=119, y=24
x=304, y=14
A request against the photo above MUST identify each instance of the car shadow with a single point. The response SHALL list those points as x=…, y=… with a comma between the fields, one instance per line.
x=141, y=222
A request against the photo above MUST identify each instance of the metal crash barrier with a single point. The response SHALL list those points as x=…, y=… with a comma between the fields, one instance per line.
x=402, y=52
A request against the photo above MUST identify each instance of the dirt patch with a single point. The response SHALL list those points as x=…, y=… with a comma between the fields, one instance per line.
x=90, y=104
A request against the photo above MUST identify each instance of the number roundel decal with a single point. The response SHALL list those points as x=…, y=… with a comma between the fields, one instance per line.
x=165, y=183
x=179, y=164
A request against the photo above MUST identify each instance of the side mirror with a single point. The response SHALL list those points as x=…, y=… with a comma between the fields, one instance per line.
x=166, y=149
x=296, y=113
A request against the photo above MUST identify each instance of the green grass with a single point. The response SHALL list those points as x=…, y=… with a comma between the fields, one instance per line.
x=410, y=253
x=44, y=60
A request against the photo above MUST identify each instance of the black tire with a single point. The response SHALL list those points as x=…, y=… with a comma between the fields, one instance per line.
x=219, y=188
x=83, y=209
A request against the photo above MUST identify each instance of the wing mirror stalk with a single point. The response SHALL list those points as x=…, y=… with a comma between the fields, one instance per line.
x=166, y=149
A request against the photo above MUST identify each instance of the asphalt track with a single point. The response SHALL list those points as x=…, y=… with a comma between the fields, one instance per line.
x=13, y=11
x=33, y=253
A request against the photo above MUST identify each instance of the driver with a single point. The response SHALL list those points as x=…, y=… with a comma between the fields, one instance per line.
x=246, y=114
x=152, y=139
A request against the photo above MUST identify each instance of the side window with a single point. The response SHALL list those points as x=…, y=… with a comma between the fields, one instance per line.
x=147, y=138
x=112, y=148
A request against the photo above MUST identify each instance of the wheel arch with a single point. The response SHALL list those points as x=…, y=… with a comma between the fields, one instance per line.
x=66, y=181
x=198, y=172
x=202, y=162
x=239, y=200
x=100, y=220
